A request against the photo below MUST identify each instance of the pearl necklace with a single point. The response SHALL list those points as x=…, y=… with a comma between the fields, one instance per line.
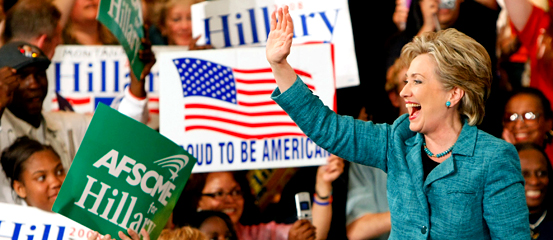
x=439, y=155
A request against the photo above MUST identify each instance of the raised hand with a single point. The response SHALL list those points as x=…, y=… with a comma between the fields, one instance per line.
x=332, y=170
x=280, y=37
x=278, y=48
x=8, y=83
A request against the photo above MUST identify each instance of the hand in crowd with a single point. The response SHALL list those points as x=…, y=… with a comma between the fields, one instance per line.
x=8, y=83
x=133, y=235
x=332, y=170
x=429, y=9
x=194, y=46
x=400, y=14
x=148, y=57
x=508, y=136
x=302, y=230
x=280, y=37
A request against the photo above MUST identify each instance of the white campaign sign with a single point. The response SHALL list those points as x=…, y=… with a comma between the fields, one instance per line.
x=217, y=105
x=27, y=223
x=87, y=75
x=227, y=23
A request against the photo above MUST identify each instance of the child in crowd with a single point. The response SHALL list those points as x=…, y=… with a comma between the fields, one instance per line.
x=35, y=172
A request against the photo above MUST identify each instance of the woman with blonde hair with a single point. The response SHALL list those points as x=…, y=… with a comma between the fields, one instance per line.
x=446, y=178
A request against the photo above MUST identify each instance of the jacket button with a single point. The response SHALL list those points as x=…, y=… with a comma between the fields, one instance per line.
x=424, y=229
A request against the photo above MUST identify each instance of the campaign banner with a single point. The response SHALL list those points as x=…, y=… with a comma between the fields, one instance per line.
x=125, y=175
x=227, y=23
x=124, y=19
x=216, y=104
x=88, y=75
x=27, y=223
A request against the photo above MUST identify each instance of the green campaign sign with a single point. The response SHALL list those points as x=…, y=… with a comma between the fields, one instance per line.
x=125, y=175
x=124, y=19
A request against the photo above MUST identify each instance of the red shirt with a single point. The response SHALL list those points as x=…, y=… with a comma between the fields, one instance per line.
x=537, y=22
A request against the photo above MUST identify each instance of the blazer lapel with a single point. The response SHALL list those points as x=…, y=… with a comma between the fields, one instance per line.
x=414, y=162
x=463, y=147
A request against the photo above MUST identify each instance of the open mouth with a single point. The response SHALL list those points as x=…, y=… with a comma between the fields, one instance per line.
x=414, y=109
x=533, y=193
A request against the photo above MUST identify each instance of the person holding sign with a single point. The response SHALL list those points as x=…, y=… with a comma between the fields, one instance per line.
x=23, y=88
x=446, y=178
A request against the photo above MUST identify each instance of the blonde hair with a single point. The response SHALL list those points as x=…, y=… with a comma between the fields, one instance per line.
x=460, y=62
x=162, y=9
x=183, y=233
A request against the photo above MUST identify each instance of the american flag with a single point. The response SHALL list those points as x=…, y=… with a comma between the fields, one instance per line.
x=232, y=101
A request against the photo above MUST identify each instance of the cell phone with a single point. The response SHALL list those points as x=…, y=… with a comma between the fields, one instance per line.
x=447, y=4
x=303, y=205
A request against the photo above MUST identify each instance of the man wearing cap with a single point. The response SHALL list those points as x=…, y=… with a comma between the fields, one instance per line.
x=23, y=88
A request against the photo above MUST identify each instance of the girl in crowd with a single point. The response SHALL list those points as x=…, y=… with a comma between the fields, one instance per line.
x=35, y=172
x=536, y=170
x=446, y=178
x=215, y=225
x=528, y=118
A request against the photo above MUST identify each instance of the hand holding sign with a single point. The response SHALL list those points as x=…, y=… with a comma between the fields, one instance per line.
x=278, y=48
x=133, y=234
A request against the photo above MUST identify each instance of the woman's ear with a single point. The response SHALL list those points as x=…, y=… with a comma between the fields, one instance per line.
x=20, y=189
x=456, y=96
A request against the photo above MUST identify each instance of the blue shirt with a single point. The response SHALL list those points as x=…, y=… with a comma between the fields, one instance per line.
x=477, y=193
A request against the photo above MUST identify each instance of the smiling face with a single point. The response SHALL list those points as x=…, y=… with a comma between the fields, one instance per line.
x=527, y=130
x=534, y=170
x=424, y=95
x=40, y=180
x=222, y=183
x=178, y=25
x=29, y=96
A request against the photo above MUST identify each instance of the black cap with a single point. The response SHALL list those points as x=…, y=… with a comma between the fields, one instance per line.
x=19, y=55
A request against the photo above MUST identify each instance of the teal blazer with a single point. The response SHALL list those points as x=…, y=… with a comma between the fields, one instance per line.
x=477, y=193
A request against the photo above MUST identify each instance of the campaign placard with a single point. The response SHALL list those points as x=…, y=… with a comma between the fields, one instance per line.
x=16, y=223
x=216, y=104
x=124, y=175
x=88, y=75
x=227, y=23
x=124, y=19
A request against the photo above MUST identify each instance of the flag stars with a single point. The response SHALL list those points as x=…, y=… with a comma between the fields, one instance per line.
x=203, y=78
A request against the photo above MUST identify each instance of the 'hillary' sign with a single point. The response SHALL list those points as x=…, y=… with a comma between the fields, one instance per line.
x=216, y=104
x=227, y=23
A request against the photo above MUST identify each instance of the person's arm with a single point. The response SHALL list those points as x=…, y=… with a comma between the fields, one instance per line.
x=322, y=203
x=519, y=12
x=370, y=225
x=367, y=212
x=134, y=102
x=504, y=203
x=340, y=135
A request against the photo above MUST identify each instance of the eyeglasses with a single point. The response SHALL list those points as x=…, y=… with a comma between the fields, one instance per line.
x=528, y=118
x=236, y=193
